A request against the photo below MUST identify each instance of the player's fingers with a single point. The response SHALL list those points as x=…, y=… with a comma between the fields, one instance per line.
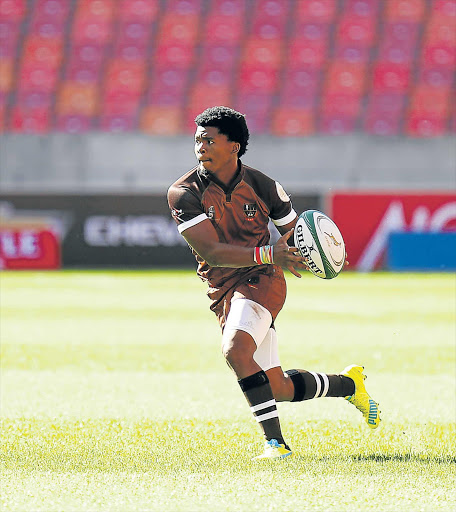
x=287, y=235
x=294, y=272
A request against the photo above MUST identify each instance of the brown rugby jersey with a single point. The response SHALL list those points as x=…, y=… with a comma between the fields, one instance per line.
x=240, y=214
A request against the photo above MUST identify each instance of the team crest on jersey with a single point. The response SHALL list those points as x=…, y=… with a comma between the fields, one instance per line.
x=250, y=210
x=211, y=212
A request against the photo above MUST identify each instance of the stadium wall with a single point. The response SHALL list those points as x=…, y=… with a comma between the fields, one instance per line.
x=138, y=163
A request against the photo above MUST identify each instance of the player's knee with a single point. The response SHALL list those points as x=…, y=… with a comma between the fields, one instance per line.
x=235, y=355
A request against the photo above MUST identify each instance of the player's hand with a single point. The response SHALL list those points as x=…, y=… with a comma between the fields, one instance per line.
x=289, y=257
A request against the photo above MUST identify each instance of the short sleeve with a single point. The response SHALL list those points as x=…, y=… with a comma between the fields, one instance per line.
x=186, y=208
x=282, y=211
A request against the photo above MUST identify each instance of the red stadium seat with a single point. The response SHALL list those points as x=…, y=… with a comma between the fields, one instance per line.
x=6, y=74
x=426, y=126
x=167, y=86
x=337, y=124
x=362, y=8
x=384, y=114
x=391, y=78
x=51, y=10
x=321, y=11
x=9, y=36
x=301, y=88
x=37, y=77
x=293, y=122
x=439, y=56
x=441, y=30
x=308, y=48
x=43, y=52
x=341, y=104
x=34, y=99
x=174, y=56
x=89, y=31
x=29, y=120
x=161, y=120
x=427, y=100
x=223, y=30
x=181, y=30
x=75, y=98
x=184, y=7
x=269, y=19
x=358, y=30
x=265, y=54
x=219, y=57
x=257, y=107
x=262, y=81
x=438, y=78
x=235, y=8
x=144, y=11
x=352, y=54
x=120, y=103
x=117, y=123
x=125, y=76
x=405, y=10
x=133, y=33
x=101, y=10
x=12, y=10
x=446, y=8
x=73, y=123
x=345, y=78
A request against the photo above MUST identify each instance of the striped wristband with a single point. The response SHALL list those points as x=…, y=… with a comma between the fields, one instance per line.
x=264, y=255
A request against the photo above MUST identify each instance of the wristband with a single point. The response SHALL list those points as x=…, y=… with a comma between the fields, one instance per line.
x=264, y=255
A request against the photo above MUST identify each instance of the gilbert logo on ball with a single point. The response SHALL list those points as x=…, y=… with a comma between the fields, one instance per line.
x=319, y=240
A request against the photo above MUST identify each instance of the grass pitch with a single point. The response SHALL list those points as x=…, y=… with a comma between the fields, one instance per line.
x=114, y=396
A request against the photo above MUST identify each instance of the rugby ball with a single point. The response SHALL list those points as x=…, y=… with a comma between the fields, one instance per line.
x=319, y=241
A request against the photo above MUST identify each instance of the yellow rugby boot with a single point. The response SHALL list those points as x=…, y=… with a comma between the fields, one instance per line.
x=274, y=450
x=361, y=399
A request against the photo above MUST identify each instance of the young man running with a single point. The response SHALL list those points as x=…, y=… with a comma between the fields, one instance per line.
x=222, y=208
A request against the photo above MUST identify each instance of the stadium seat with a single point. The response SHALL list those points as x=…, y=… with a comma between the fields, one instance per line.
x=223, y=57
x=144, y=11
x=12, y=10
x=257, y=108
x=438, y=78
x=167, y=86
x=184, y=7
x=37, y=77
x=6, y=74
x=264, y=54
x=384, y=114
x=320, y=11
x=428, y=100
x=293, y=122
x=439, y=56
x=426, y=126
x=440, y=30
x=223, y=30
x=117, y=123
x=337, y=104
x=180, y=30
x=352, y=54
x=34, y=99
x=9, y=36
x=41, y=51
x=174, y=56
x=100, y=10
x=337, y=124
x=303, y=54
x=391, y=78
x=257, y=80
x=76, y=98
x=405, y=10
x=161, y=120
x=301, y=88
x=269, y=19
x=359, y=31
x=125, y=76
x=24, y=120
x=119, y=103
x=345, y=78
x=52, y=10
x=88, y=31
x=73, y=123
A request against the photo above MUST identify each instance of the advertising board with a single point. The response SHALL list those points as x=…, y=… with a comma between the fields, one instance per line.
x=366, y=221
x=112, y=230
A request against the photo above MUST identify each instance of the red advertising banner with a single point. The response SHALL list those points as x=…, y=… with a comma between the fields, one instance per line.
x=367, y=219
x=28, y=247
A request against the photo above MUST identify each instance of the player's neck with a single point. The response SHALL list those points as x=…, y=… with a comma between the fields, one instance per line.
x=227, y=173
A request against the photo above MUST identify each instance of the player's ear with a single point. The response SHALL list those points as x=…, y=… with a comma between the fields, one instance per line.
x=236, y=147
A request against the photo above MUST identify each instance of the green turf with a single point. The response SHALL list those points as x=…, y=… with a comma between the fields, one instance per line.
x=115, y=396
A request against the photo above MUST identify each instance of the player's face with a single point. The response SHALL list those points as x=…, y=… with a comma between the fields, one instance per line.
x=213, y=150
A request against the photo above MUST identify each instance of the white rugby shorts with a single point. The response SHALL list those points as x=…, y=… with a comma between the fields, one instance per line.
x=253, y=318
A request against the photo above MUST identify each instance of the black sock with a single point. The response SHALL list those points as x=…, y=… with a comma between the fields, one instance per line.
x=258, y=393
x=310, y=385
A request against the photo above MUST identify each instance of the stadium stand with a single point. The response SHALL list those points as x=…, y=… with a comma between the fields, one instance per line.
x=294, y=67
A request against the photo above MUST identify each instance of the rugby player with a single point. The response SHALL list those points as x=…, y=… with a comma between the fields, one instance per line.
x=222, y=208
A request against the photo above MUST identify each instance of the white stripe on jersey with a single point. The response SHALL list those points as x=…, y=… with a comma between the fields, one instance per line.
x=285, y=220
x=192, y=222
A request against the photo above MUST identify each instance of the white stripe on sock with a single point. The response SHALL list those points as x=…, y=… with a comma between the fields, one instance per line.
x=326, y=383
x=268, y=416
x=317, y=380
x=258, y=407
